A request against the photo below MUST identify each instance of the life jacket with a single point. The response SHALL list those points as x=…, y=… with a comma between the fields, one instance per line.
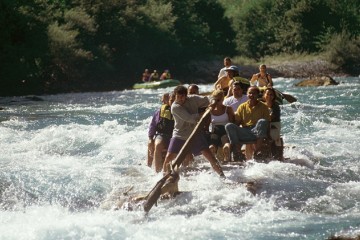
x=165, y=125
x=266, y=79
x=241, y=80
x=245, y=84
x=165, y=76
x=154, y=76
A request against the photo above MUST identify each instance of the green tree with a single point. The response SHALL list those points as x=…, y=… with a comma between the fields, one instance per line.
x=202, y=28
x=343, y=50
x=23, y=48
x=267, y=27
x=70, y=46
x=86, y=45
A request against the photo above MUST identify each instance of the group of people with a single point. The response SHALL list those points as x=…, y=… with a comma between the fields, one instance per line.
x=154, y=76
x=238, y=116
x=184, y=104
x=257, y=115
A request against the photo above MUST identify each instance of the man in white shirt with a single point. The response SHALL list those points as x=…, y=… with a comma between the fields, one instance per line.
x=237, y=97
x=227, y=63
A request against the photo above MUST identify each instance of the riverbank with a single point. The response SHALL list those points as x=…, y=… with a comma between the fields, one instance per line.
x=204, y=72
x=207, y=71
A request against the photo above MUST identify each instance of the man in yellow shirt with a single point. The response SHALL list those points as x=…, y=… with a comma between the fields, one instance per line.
x=254, y=118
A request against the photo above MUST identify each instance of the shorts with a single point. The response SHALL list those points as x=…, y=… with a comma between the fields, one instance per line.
x=198, y=144
x=163, y=138
x=217, y=135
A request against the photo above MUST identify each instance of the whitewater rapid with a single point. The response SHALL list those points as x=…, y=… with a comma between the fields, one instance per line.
x=62, y=157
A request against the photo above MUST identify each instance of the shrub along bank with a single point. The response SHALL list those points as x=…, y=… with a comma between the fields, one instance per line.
x=82, y=45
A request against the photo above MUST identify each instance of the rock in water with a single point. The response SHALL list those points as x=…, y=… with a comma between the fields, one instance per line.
x=317, y=81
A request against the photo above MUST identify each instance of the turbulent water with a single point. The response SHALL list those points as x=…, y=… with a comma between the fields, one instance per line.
x=62, y=158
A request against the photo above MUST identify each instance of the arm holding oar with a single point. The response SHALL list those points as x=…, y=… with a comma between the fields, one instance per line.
x=155, y=193
x=187, y=135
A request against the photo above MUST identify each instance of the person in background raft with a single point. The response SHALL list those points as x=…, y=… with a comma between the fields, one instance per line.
x=275, y=125
x=193, y=89
x=160, y=131
x=185, y=113
x=254, y=118
x=154, y=76
x=146, y=76
x=227, y=63
x=223, y=83
x=165, y=75
x=261, y=79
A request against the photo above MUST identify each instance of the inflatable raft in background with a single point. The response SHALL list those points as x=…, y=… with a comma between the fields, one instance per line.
x=157, y=84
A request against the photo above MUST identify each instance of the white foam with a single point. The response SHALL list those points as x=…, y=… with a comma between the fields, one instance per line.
x=59, y=163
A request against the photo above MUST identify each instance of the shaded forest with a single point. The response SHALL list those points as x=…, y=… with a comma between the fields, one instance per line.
x=53, y=46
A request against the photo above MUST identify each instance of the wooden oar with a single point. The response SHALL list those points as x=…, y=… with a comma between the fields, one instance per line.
x=155, y=193
x=287, y=97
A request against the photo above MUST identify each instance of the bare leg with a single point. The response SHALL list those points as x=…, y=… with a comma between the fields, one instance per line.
x=249, y=151
x=158, y=155
x=259, y=143
x=214, y=163
x=188, y=160
x=226, y=150
x=213, y=149
x=219, y=154
x=150, y=155
x=169, y=157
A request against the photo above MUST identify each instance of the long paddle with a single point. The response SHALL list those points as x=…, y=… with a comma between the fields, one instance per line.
x=287, y=97
x=155, y=193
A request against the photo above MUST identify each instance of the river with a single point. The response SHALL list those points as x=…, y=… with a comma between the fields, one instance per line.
x=63, y=157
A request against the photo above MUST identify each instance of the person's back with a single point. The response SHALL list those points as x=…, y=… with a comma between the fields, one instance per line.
x=165, y=75
x=165, y=125
x=160, y=132
x=165, y=100
x=146, y=75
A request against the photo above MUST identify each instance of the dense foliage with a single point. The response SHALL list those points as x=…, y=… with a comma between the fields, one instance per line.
x=266, y=27
x=49, y=46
